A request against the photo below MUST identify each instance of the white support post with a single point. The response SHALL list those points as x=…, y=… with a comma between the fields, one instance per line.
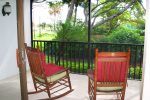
x=145, y=95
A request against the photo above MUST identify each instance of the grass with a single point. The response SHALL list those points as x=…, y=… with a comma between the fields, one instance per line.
x=45, y=36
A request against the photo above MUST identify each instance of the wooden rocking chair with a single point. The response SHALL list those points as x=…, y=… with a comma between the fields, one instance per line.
x=109, y=75
x=47, y=77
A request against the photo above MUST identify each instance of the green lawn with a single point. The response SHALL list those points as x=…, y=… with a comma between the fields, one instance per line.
x=44, y=36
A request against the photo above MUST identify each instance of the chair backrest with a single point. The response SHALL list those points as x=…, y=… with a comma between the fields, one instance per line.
x=36, y=60
x=27, y=48
x=111, y=66
x=35, y=63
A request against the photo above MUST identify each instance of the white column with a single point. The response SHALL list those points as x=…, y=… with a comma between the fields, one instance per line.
x=145, y=95
x=27, y=26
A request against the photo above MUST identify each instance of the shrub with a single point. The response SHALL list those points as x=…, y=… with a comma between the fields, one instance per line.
x=137, y=71
x=126, y=35
x=69, y=32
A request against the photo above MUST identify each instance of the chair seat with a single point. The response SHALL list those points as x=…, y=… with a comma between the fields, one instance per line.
x=109, y=89
x=54, y=77
x=51, y=69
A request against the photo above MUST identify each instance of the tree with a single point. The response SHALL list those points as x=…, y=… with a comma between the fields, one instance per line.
x=133, y=16
x=107, y=15
x=106, y=7
x=73, y=5
x=71, y=8
x=101, y=9
x=55, y=8
x=42, y=25
x=67, y=31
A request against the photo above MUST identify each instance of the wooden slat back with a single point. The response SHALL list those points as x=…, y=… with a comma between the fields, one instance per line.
x=35, y=61
x=111, y=66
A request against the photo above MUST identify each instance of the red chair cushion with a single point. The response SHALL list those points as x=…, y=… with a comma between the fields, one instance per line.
x=50, y=69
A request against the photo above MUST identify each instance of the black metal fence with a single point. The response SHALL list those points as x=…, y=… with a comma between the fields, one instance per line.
x=74, y=55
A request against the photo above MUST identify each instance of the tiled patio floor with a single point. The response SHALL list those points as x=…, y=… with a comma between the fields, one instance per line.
x=10, y=89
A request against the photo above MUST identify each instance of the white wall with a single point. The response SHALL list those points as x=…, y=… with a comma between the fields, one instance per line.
x=8, y=38
x=8, y=41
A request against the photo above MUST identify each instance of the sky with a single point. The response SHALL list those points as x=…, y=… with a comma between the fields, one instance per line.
x=40, y=13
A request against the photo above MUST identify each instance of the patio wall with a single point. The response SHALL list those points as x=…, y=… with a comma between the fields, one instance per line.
x=8, y=38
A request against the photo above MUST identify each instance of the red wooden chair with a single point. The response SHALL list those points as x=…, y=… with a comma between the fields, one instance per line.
x=47, y=77
x=109, y=75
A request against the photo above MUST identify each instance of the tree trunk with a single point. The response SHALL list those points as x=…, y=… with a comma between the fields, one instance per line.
x=86, y=16
x=70, y=11
x=75, y=18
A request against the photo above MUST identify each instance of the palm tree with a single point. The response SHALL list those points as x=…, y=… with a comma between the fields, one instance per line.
x=55, y=9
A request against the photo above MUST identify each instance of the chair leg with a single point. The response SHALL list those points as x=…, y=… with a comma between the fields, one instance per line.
x=94, y=98
x=69, y=81
x=91, y=90
x=122, y=95
x=118, y=96
x=35, y=85
x=89, y=86
x=48, y=91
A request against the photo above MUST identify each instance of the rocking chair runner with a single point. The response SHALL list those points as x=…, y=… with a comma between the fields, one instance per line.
x=109, y=75
x=47, y=77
